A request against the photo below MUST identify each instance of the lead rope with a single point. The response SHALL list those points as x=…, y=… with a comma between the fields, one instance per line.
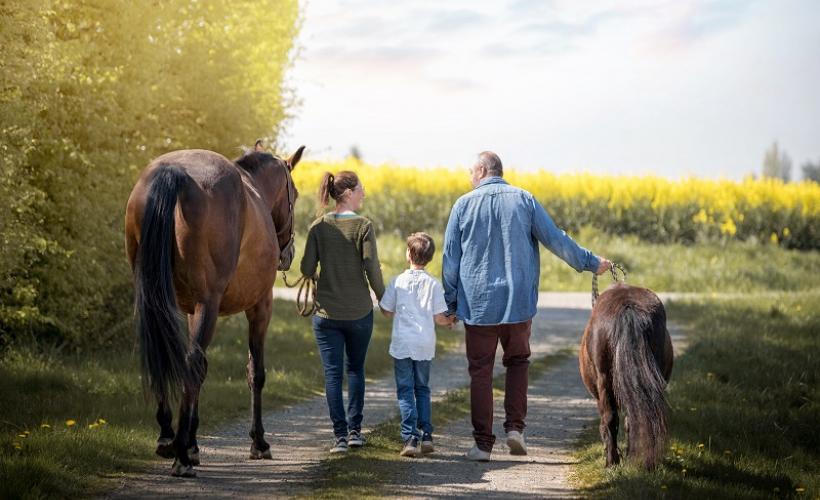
x=305, y=295
x=614, y=272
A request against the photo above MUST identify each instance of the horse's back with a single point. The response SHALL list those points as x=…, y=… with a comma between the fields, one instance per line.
x=208, y=222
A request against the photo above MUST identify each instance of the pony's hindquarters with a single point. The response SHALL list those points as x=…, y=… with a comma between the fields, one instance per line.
x=637, y=380
x=163, y=347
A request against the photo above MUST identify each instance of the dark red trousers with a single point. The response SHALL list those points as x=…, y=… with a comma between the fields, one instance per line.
x=482, y=342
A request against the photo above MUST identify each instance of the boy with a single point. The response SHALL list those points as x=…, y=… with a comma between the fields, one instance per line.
x=415, y=301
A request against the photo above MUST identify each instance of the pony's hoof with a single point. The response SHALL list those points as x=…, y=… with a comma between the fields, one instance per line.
x=165, y=448
x=258, y=455
x=180, y=470
x=193, y=455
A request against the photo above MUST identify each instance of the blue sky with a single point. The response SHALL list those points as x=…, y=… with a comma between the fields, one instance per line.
x=675, y=88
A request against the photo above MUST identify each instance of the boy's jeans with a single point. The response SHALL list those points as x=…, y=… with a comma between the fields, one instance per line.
x=413, y=391
x=336, y=338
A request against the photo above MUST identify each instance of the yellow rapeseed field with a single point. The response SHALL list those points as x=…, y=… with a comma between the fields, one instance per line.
x=404, y=199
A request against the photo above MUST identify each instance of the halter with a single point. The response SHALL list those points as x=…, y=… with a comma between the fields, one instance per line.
x=292, y=241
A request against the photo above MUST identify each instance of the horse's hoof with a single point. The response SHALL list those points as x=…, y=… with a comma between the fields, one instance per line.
x=165, y=448
x=258, y=455
x=180, y=470
x=193, y=455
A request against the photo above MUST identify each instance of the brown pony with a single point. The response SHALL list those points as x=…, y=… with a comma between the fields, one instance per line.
x=205, y=236
x=626, y=361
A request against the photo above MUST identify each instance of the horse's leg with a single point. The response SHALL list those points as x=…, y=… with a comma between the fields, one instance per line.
x=193, y=447
x=204, y=323
x=258, y=319
x=165, y=442
x=626, y=433
x=609, y=419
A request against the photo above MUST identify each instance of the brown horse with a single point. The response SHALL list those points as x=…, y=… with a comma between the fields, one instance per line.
x=205, y=236
x=626, y=361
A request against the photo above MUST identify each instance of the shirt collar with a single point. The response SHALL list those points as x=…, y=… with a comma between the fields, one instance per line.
x=491, y=180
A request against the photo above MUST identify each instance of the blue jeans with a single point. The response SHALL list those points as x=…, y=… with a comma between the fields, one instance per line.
x=413, y=391
x=335, y=338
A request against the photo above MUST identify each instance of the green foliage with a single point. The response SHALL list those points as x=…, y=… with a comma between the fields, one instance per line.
x=744, y=407
x=91, y=91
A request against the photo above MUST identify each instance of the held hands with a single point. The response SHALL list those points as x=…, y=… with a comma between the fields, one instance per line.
x=604, y=266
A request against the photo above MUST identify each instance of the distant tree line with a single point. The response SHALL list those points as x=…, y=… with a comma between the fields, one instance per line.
x=778, y=164
x=90, y=91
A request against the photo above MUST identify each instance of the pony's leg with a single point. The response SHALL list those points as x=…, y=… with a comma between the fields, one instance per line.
x=609, y=419
x=258, y=319
x=165, y=442
x=204, y=323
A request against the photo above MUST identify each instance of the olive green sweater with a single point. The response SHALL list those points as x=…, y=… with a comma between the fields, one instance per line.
x=345, y=246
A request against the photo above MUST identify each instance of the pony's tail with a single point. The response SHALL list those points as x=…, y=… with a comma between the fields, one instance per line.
x=163, y=347
x=639, y=386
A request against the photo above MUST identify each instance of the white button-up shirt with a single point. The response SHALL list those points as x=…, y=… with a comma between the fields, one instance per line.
x=415, y=297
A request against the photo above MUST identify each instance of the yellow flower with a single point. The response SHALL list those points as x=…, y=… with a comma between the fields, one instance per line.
x=101, y=421
x=93, y=426
x=701, y=445
x=800, y=489
x=45, y=426
x=70, y=422
x=17, y=446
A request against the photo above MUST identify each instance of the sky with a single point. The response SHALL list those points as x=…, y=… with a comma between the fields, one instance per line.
x=672, y=88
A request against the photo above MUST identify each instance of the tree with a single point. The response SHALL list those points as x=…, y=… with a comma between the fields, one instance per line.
x=811, y=171
x=777, y=164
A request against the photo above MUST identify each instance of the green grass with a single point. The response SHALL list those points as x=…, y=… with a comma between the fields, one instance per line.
x=722, y=268
x=745, y=406
x=43, y=385
x=368, y=471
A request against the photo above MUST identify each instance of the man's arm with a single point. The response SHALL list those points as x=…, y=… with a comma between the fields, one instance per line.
x=451, y=261
x=558, y=242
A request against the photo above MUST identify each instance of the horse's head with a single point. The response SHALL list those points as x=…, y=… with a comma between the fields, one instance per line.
x=272, y=176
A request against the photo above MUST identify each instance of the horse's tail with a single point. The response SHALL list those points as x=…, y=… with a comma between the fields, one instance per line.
x=163, y=346
x=639, y=385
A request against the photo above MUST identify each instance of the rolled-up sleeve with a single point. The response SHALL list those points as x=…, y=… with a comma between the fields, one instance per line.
x=451, y=260
x=558, y=241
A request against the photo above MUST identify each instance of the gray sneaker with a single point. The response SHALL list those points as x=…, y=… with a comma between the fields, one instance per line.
x=411, y=448
x=355, y=439
x=427, y=443
x=515, y=441
x=340, y=446
x=478, y=455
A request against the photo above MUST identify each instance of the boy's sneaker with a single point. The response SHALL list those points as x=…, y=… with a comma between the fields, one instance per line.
x=515, y=440
x=340, y=446
x=355, y=439
x=427, y=443
x=476, y=454
x=411, y=448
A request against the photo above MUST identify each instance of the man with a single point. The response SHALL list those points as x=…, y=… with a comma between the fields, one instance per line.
x=490, y=275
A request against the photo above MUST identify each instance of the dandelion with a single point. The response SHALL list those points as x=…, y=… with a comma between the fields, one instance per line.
x=24, y=436
x=93, y=426
x=101, y=421
x=45, y=426
x=17, y=446
x=800, y=489
x=701, y=446
x=70, y=422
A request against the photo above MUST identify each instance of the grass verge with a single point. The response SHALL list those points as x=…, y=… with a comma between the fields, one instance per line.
x=370, y=471
x=745, y=405
x=70, y=422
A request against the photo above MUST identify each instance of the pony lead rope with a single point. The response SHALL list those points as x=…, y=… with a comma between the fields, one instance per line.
x=613, y=270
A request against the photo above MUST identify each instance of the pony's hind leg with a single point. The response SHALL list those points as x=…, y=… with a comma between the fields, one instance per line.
x=165, y=442
x=609, y=420
x=258, y=319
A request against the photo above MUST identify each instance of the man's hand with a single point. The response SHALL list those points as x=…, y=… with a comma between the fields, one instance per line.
x=604, y=266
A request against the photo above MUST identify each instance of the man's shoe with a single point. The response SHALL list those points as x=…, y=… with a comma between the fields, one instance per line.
x=411, y=448
x=355, y=439
x=478, y=455
x=515, y=440
x=340, y=446
x=427, y=443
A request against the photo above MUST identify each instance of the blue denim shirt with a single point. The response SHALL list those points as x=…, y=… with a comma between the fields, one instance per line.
x=491, y=266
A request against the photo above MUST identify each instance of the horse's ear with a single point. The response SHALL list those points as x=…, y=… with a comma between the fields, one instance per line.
x=259, y=147
x=295, y=157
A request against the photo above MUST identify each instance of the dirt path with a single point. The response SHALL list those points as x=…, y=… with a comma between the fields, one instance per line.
x=300, y=435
